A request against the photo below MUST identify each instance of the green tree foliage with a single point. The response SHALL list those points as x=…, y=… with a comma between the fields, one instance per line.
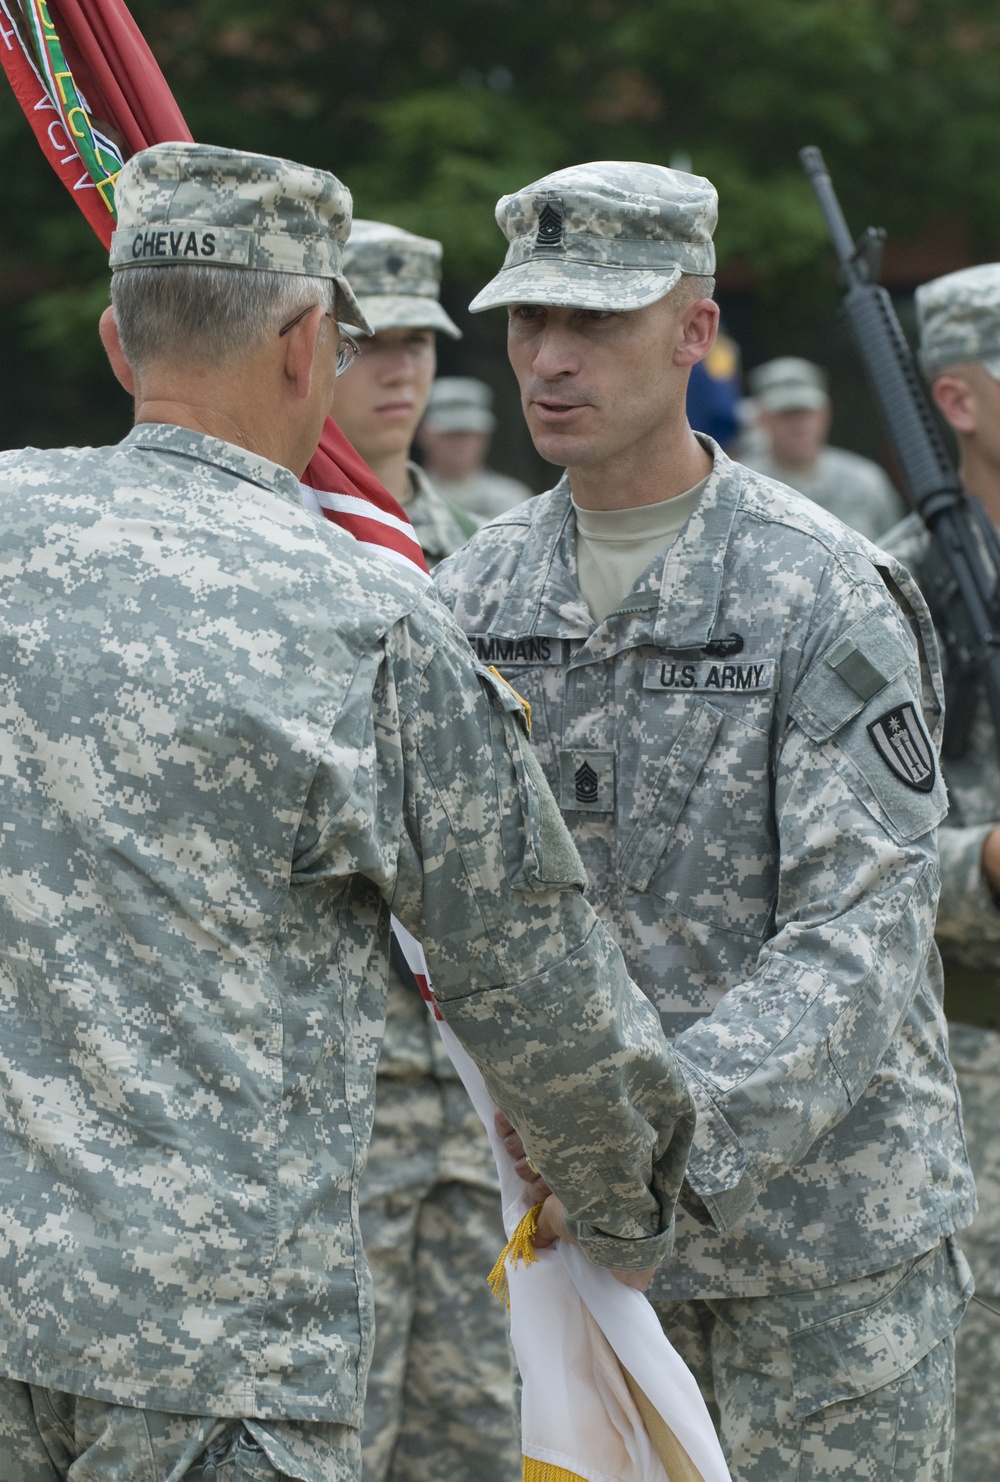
x=431, y=111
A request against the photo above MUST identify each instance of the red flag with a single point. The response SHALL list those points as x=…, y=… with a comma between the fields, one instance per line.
x=128, y=98
x=47, y=124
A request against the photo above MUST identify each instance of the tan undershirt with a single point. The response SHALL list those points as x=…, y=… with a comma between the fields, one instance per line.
x=614, y=547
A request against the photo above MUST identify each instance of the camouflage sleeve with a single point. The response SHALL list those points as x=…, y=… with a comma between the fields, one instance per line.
x=487, y=877
x=786, y=1054
x=968, y=916
x=967, y=911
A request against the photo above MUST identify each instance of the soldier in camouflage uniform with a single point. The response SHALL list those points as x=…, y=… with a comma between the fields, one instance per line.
x=736, y=709
x=793, y=420
x=441, y=1384
x=232, y=740
x=959, y=319
x=454, y=440
x=398, y=276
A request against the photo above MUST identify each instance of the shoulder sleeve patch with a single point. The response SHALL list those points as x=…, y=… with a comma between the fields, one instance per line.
x=901, y=741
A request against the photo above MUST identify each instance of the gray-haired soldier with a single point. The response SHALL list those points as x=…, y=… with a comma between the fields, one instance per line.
x=793, y=417
x=737, y=714
x=959, y=322
x=231, y=741
x=440, y=1397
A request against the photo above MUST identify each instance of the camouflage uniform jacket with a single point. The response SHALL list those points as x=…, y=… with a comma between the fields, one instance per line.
x=968, y=921
x=441, y=528
x=770, y=878
x=231, y=741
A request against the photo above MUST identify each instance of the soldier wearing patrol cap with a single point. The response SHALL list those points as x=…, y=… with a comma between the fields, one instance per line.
x=959, y=324
x=793, y=416
x=454, y=440
x=398, y=276
x=232, y=740
x=739, y=716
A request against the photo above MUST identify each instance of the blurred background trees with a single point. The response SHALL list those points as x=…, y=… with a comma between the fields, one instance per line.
x=429, y=112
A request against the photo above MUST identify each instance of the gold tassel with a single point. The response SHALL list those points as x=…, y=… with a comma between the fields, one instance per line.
x=520, y=1247
x=544, y=1471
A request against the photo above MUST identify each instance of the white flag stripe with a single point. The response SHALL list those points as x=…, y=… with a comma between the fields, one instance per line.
x=313, y=499
x=391, y=555
x=350, y=504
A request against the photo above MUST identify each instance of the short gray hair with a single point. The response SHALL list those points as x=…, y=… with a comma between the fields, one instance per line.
x=690, y=287
x=208, y=315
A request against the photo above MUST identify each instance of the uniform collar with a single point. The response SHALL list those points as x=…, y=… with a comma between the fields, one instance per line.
x=676, y=599
x=249, y=468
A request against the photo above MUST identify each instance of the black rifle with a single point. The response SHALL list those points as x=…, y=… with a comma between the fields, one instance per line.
x=962, y=575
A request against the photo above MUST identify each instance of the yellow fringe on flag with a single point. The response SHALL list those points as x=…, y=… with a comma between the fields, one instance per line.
x=544, y=1471
x=520, y=1247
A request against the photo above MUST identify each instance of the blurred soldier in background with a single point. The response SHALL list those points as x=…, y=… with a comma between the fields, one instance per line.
x=441, y=1385
x=959, y=321
x=454, y=439
x=380, y=407
x=729, y=700
x=794, y=418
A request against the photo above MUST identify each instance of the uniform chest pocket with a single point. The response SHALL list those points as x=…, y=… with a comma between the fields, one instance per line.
x=705, y=842
x=644, y=847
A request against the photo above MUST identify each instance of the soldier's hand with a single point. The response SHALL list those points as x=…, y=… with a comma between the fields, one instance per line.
x=523, y=1167
x=552, y=1227
x=552, y=1224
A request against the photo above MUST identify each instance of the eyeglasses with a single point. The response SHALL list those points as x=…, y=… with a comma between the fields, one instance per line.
x=347, y=348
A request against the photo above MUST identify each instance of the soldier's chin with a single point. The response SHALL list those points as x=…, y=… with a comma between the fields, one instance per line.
x=560, y=448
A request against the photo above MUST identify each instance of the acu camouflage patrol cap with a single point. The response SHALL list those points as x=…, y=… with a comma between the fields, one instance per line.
x=200, y=204
x=607, y=235
x=460, y=404
x=397, y=277
x=789, y=384
x=959, y=319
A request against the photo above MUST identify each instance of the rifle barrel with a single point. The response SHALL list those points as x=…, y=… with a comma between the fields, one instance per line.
x=819, y=177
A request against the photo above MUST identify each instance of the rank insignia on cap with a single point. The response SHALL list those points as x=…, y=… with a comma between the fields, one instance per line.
x=394, y=264
x=550, y=225
x=902, y=743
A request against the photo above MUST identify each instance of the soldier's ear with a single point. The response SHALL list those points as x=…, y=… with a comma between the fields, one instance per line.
x=699, y=326
x=955, y=399
x=108, y=330
x=302, y=345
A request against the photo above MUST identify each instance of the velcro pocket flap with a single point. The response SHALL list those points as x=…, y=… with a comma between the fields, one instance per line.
x=858, y=666
x=644, y=847
x=860, y=1351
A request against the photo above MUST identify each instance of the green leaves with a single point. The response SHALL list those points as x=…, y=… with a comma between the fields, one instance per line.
x=431, y=112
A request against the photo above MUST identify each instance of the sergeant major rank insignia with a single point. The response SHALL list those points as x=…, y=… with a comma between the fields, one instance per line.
x=901, y=742
x=586, y=783
x=587, y=780
x=550, y=225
